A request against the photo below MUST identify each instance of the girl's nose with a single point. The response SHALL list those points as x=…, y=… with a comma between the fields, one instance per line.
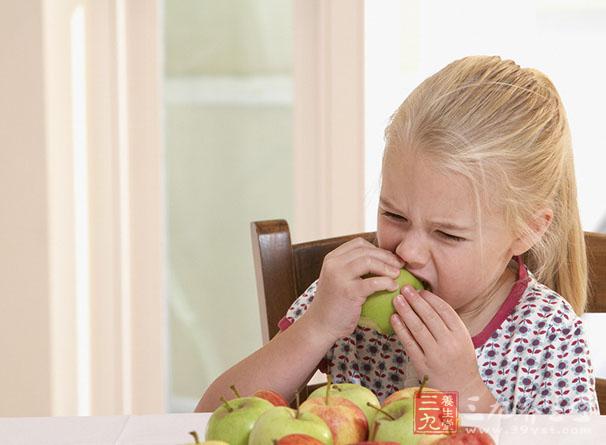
x=413, y=250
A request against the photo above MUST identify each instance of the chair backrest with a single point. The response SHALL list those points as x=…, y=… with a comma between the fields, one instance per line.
x=284, y=270
x=596, y=259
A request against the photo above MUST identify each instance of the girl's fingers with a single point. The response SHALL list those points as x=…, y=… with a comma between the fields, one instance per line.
x=355, y=243
x=448, y=315
x=368, y=286
x=412, y=348
x=414, y=324
x=427, y=314
x=372, y=261
x=366, y=249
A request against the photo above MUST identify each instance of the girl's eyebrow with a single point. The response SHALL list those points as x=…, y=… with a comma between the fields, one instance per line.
x=442, y=224
x=451, y=226
x=385, y=202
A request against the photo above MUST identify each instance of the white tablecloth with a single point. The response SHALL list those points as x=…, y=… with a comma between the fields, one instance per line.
x=173, y=429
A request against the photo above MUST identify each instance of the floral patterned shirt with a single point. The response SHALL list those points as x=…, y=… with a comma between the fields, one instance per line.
x=533, y=355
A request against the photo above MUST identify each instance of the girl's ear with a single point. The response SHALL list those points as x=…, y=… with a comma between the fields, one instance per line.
x=538, y=225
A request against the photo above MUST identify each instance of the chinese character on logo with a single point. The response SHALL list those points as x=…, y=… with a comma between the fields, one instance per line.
x=435, y=412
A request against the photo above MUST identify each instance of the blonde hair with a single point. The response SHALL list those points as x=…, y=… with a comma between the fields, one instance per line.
x=505, y=128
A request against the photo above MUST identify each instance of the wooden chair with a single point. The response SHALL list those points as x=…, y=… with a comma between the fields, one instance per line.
x=284, y=270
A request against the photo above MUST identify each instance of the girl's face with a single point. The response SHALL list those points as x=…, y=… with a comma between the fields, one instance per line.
x=430, y=219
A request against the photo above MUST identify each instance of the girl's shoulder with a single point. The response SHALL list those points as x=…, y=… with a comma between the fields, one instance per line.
x=543, y=313
x=541, y=303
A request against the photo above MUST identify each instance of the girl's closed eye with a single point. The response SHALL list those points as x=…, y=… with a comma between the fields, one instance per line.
x=450, y=237
x=393, y=216
x=445, y=235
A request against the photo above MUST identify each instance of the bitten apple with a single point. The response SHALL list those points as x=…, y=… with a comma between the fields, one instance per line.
x=378, y=307
x=347, y=422
x=280, y=421
x=358, y=394
x=233, y=421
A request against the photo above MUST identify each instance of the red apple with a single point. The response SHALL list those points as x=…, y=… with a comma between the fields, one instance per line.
x=347, y=422
x=271, y=396
x=467, y=435
x=358, y=394
x=298, y=439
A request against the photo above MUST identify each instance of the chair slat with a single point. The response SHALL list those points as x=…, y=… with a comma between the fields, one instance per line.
x=596, y=259
x=274, y=270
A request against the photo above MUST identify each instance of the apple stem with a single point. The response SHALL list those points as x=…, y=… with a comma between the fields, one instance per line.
x=423, y=383
x=378, y=408
x=195, y=435
x=233, y=388
x=227, y=405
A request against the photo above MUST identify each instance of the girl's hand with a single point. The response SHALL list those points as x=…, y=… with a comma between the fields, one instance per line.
x=342, y=289
x=437, y=342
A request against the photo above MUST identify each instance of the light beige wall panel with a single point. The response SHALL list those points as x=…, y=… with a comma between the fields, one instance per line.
x=24, y=281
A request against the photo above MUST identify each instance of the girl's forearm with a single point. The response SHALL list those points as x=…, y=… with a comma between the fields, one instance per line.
x=283, y=365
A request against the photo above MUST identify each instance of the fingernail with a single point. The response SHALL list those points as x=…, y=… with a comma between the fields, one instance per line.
x=408, y=290
x=400, y=300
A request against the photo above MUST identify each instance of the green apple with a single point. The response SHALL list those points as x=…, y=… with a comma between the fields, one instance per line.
x=410, y=392
x=280, y=421
x=395, y=423
x=233, y=421
x=400, y=405
x=378, y=307
x=407, y=393
x=358, y=394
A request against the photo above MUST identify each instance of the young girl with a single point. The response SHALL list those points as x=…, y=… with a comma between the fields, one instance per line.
x=478, y=200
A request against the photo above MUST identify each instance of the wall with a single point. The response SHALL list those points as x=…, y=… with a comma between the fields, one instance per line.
x=24, y=277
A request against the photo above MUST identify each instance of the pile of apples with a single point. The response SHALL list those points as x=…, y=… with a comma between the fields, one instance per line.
x=335, y=414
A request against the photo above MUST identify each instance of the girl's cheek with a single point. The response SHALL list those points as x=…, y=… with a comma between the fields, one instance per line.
x=385, y=238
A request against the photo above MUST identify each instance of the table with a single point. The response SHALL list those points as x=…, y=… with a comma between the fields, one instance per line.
x=173, y=429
